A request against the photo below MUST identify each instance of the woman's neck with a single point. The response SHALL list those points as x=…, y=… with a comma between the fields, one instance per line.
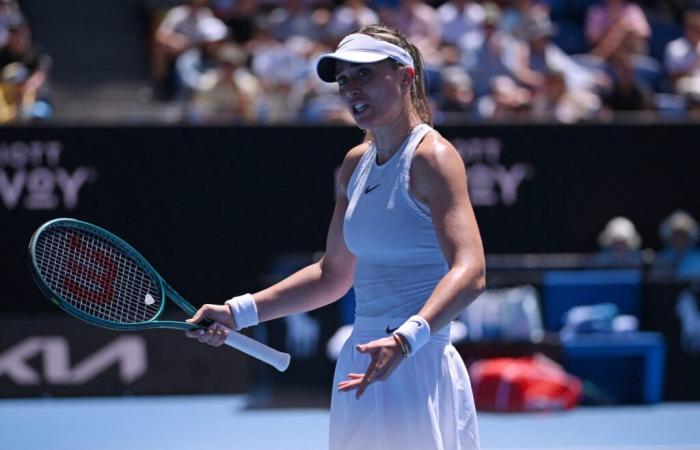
x=387, y=139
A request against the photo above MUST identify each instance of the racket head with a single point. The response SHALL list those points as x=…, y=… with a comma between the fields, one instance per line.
x=95, y=276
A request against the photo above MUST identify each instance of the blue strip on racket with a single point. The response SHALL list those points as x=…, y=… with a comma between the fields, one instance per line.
x=97, y=277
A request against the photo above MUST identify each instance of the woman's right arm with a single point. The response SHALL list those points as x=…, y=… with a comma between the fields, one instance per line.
x=327, y=280
x=310, y=288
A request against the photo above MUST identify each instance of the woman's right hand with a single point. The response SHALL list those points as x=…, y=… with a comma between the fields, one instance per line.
x=217, y=332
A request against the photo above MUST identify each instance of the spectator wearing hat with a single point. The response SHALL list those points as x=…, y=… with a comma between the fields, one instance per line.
x=680, y=256
x=194, y=65
x=494, y=55
x=619, y=244
x=542, y=55
x=179, y=31
x=456, y=96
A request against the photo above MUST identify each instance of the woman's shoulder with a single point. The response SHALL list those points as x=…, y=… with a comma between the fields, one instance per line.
x=436, y=162
x=354, y=155
x=436, y=165
x=351, y=160
x=435, y=151
x=358, y=151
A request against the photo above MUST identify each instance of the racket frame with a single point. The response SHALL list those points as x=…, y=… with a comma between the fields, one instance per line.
x=165, y=289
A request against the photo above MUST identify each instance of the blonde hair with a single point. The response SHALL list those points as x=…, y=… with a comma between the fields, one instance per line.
x=419, y=99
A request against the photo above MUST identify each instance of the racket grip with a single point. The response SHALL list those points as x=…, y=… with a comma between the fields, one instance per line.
x=264, y=353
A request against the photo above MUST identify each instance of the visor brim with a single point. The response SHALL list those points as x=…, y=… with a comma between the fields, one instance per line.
x=326, y=64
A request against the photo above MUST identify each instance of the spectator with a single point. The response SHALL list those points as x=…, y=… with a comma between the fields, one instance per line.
x=682, y=55
x=318, y=102
x=229, y=92
x=617, y=26
x=19, y=103
x=506, y=100
x=495, y=54
x=422, y=26
x=556, y=101
x=627, y=93
x=33, y=63
x=460, y=19
x=197, y=65
x=9, y=12
x=322, y=107
x=239, y=17
x=692, y=100
x=298, y=18
x=456, y=95
x=518, y=16
x=680, y=256
x=619, y=244
x=280, y=66
x=349, y=16
x=179, y=31
x=688, y=312
x=531, y=55
x=542, y=56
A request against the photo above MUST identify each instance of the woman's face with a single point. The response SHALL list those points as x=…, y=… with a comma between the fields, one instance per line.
x=372, y=91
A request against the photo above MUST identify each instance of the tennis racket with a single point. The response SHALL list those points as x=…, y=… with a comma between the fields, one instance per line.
x=97, y=277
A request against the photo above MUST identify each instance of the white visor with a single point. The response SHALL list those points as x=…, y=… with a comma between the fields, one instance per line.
x=361, y=49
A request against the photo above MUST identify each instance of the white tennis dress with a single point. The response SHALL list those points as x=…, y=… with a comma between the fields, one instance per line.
x=427, y=402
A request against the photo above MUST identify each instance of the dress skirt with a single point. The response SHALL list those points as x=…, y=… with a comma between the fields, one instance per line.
x=425, y=404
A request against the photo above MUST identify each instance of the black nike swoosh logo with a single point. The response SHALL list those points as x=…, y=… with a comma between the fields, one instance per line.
x=370, y=189
x=390, y=330
x=416, y=322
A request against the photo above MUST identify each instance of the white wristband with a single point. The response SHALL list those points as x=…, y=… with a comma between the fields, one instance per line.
x=244, y=311
x=416, y=331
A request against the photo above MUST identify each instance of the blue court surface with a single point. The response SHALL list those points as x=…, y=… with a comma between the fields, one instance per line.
x=223, y=422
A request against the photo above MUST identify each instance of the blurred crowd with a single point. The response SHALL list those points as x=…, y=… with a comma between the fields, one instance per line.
x=251, y=61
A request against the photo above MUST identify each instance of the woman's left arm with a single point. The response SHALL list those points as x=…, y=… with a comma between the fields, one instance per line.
x=439, y=179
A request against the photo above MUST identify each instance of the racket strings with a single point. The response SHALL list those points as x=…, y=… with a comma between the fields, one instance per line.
x=96, y=277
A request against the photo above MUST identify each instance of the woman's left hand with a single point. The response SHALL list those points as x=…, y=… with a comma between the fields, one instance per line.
x=386, y=356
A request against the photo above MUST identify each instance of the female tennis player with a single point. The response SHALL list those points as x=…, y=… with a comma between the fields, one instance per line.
x=404, y=234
